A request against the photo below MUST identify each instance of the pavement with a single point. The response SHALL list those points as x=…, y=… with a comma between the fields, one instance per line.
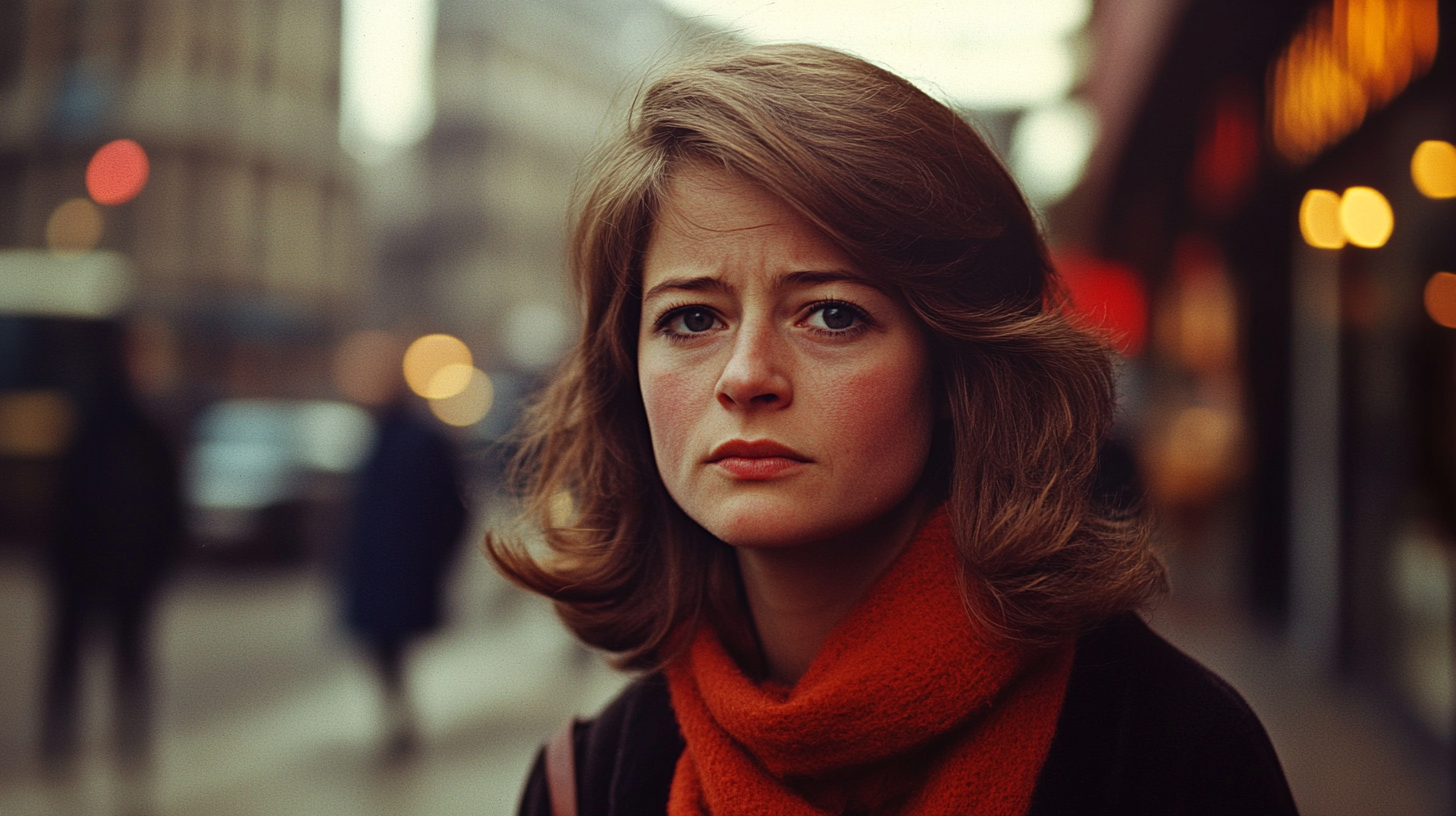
x=1344, y=751
x=266, y=709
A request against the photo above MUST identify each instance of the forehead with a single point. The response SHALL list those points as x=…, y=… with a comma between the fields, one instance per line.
x=713, y=221
x=706, y=198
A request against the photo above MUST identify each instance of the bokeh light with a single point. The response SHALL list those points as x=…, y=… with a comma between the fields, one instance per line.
x=1108, y=298
x=1433, y=169
x=1440, y=297
x=1366, y=217
x=366, y=366
x=1050, y=147
x=427, y=355
x=1226, y=158
x=1199, y=311
x=117, y=172
x=386, y=94
x=1319, y=220
x=1195, y=455
x=1347, y=59
x=333, y=437
x=470, y=404
x=449, y=380
x=36, y=423
x=74, y=226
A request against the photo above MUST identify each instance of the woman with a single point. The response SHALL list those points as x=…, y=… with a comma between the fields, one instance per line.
x=828, y=443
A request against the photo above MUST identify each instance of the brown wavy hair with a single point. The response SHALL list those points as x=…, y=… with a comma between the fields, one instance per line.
x=911, y=192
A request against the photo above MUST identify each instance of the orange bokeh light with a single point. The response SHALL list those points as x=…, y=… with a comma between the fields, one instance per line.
x=74, y=226
x=117, y=173
x=1349, y=58
x=1440, y=297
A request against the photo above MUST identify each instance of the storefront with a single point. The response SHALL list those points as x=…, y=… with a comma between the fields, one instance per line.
x=1287, y=191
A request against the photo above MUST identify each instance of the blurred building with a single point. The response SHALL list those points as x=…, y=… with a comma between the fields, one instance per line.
x=471, y=227
x=1300, y=380
x=257, y=242
x=246, y=230
x=239, y=258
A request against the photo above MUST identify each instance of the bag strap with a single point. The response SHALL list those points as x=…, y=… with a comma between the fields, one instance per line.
x=561, y=770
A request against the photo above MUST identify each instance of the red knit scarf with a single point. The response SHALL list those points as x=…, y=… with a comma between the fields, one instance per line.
x=907, y=709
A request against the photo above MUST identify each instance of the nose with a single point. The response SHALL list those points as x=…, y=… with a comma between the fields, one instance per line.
x=756, y=374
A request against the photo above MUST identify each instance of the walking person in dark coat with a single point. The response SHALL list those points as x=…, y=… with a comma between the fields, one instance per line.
x=118, y=532
x=406, y=524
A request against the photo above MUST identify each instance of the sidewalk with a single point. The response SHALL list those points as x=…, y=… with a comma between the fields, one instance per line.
x=265, y=710
x=1342, y=754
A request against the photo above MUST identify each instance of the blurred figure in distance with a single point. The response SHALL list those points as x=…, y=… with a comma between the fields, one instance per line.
x=405, y=524
x=118, y=532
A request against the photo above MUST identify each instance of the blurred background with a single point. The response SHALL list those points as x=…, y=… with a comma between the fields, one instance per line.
x=270, y=255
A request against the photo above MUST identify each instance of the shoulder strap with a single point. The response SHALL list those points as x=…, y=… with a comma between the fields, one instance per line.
x=561, y=770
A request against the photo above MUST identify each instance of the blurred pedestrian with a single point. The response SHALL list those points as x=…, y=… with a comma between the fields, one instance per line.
x=118, y=532
x=406, y=523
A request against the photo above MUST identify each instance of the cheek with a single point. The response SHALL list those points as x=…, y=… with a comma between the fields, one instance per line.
x=667, y=397
x=886, y=413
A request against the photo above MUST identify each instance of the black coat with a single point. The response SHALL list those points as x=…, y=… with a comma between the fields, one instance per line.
x=119, y=521
x=406, y=526
x=1144, y=729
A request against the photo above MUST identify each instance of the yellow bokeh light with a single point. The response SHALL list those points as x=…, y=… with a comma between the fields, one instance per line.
x=426, y=356
x=470, y=404
x=74, y=226
x=1441, y=299
x=1319, y=219
x=1366, y=217
x=449, y=380
x=1433, y=169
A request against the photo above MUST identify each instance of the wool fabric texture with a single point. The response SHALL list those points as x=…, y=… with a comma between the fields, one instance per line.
x=908, y=709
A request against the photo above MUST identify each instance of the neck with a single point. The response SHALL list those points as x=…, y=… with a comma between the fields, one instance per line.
x=797, y=594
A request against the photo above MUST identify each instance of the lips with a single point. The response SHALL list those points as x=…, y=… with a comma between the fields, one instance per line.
x=761, y=449
x=755, y=461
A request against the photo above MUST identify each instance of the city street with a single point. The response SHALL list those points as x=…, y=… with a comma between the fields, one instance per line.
x=265, y=708
x=281, y=282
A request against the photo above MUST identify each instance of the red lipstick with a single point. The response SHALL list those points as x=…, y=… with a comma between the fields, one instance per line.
x=755, y=461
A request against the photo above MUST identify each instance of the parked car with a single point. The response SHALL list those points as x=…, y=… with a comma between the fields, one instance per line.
x=266, y=479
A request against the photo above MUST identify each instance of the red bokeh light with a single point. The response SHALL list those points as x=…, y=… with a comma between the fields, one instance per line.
x=1107, y=297
x=1227, y=156
x=117, y=173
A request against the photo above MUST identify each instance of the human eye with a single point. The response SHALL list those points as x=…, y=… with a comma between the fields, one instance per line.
x=836, y=317
x=687, y=321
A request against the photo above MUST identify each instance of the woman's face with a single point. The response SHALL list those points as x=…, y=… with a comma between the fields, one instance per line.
x=789, y=399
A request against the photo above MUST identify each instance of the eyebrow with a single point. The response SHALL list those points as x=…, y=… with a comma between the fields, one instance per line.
x=707, y=283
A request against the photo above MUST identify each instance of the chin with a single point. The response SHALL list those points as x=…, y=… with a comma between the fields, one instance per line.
x=761, y=523
x=758, y=537
x=771, y=525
